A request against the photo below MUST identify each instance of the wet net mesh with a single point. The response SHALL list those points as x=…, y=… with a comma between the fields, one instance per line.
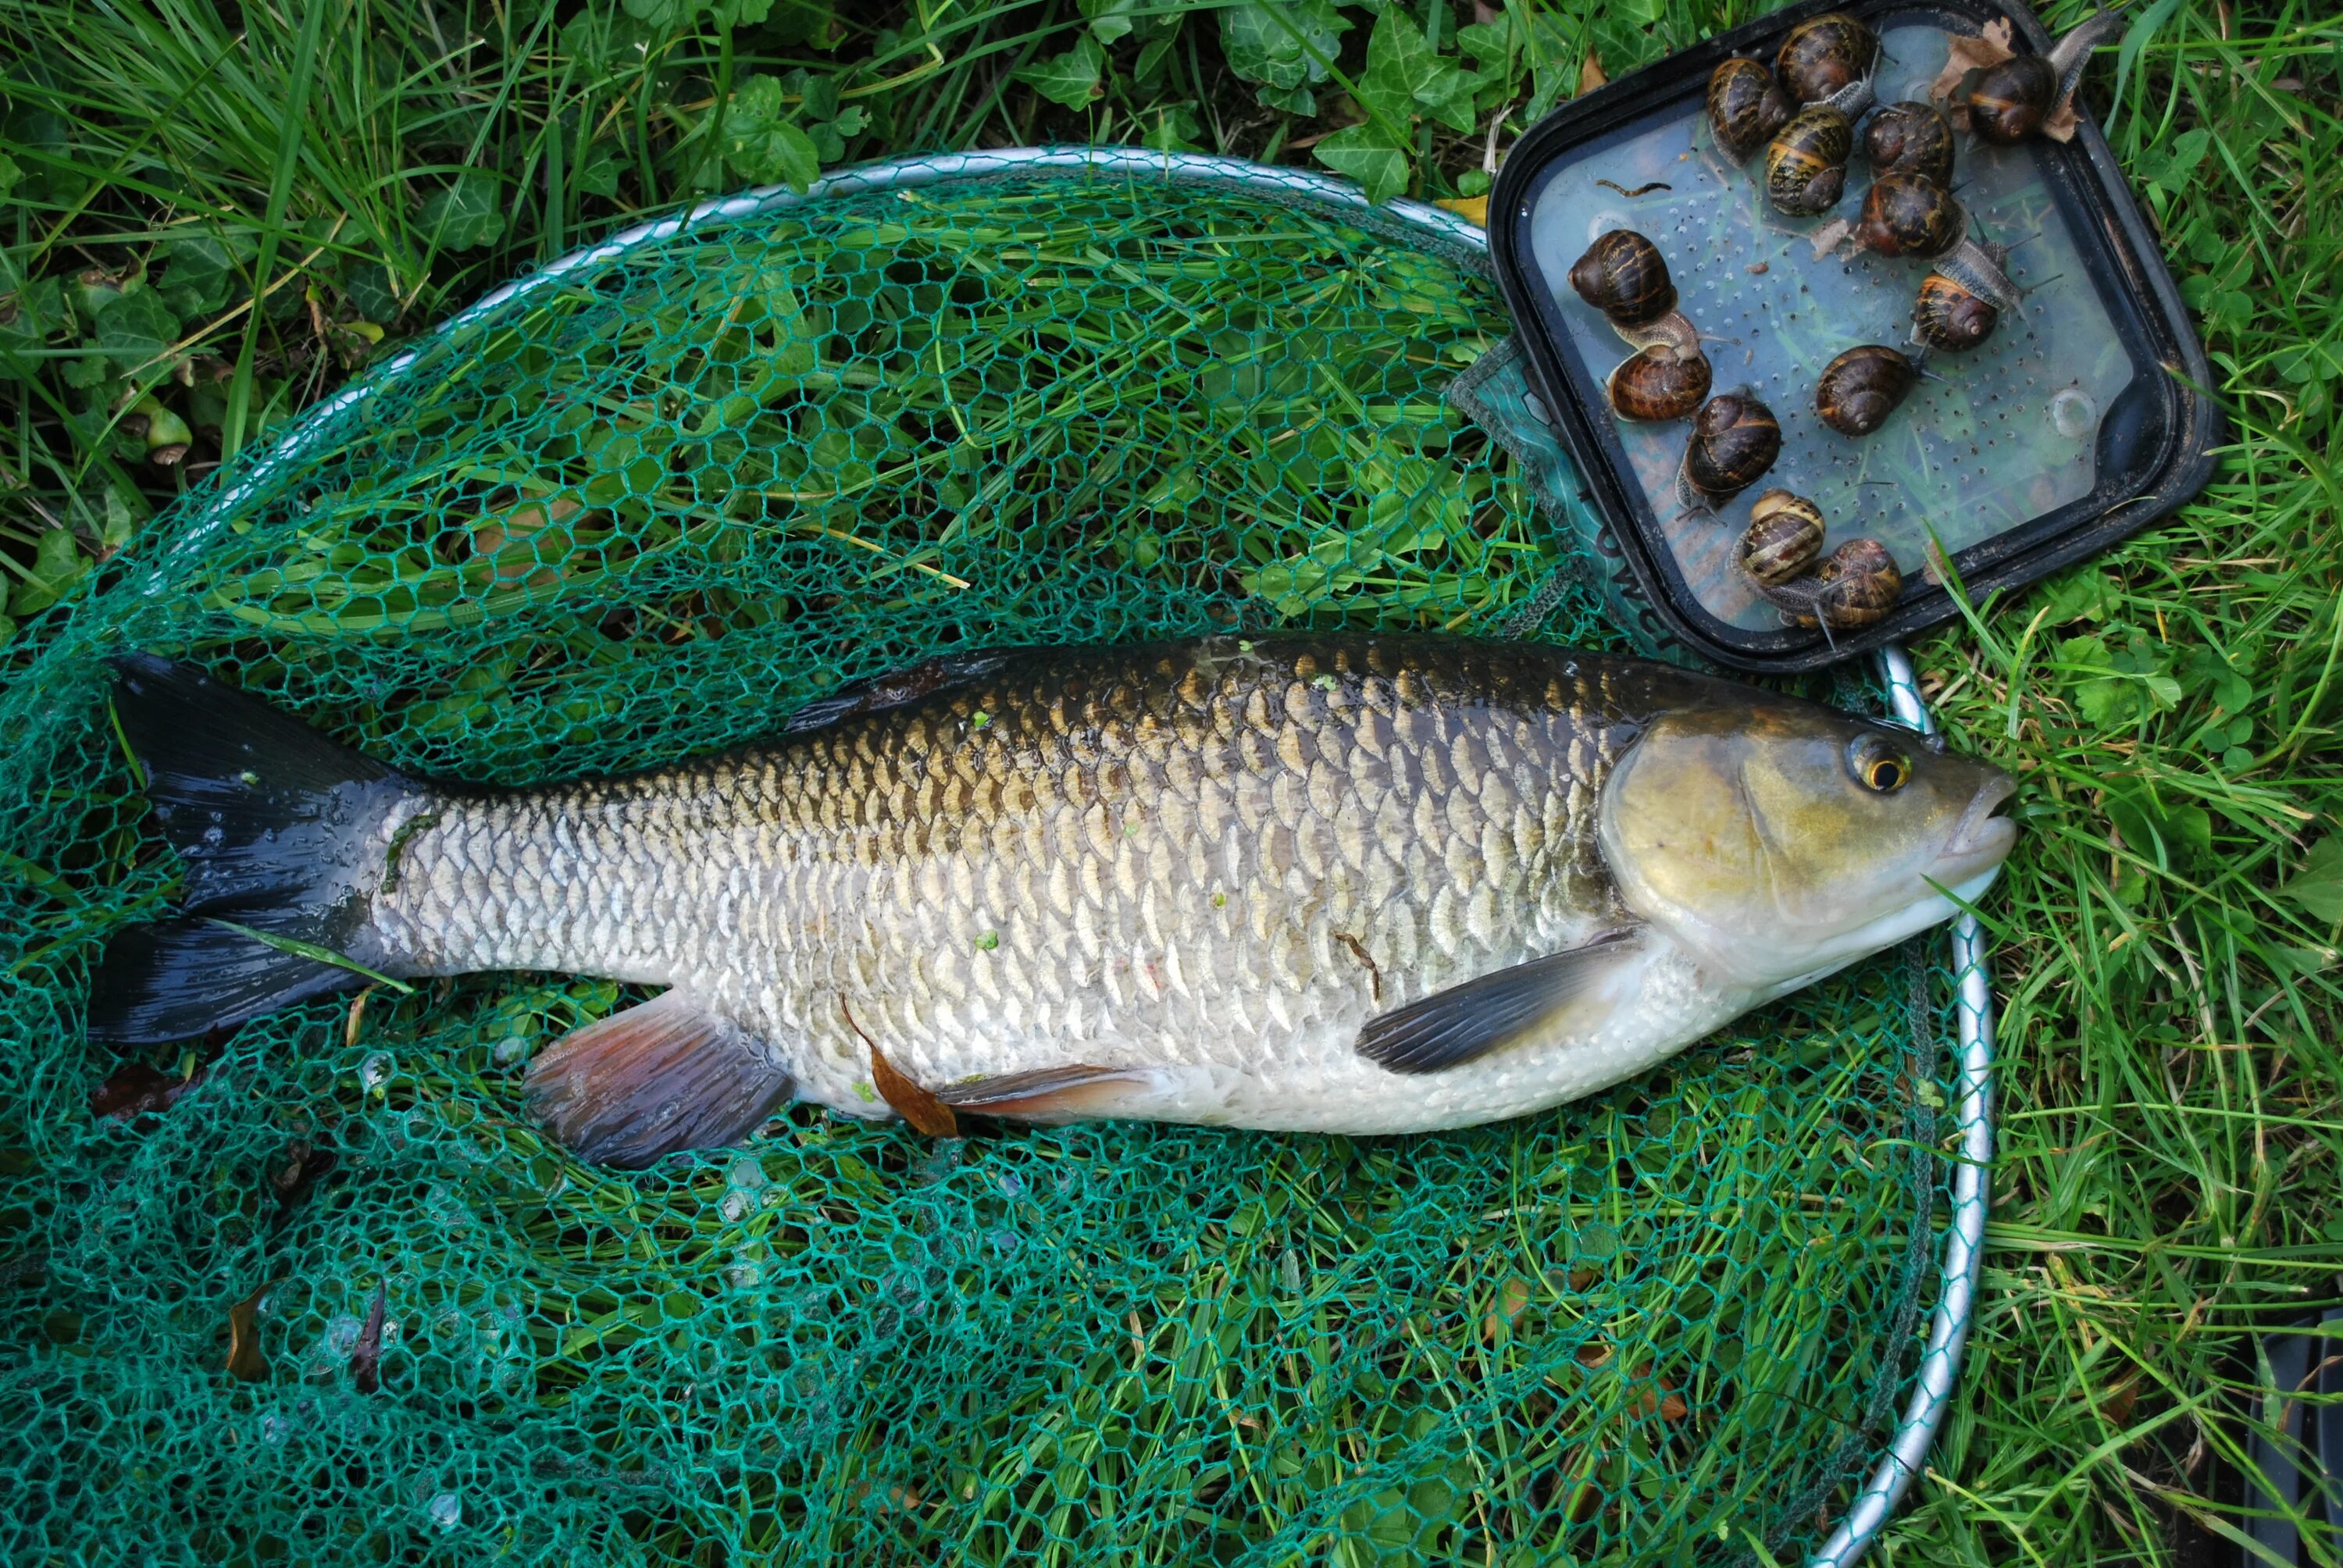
x=647, y=506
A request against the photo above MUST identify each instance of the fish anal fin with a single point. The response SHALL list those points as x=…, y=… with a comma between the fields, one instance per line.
x=652, y=1080
x=1465, y=1023
x=1074, y=1092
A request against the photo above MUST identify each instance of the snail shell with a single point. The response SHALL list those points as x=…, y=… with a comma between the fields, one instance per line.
x=2008, y=102
x=1805, y=165
x=1948, y=316
x=1783, y=539
x=1746, y=107
x=1914, y=137
x=1857, y=586
x=1862, y=387
x=1735, y=439
x=1910, y=215
x=1658, y=383
x=1621, y=274
x=1829, y=59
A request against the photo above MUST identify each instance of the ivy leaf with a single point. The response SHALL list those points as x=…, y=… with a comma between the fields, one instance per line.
x=1369, y=156
x=58, y=563
x=203, y=272
x=1071, y=78
x=598, y=174
x=2107, y=699
x=2317, y=885
x=1405, y=77
x=10, y=173
x=2183, y=834
x=760, y=142
x=1281, y=44
x=135, y=326
x=466, y=215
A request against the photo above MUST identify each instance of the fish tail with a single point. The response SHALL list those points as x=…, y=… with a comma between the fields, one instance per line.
x=280, y=831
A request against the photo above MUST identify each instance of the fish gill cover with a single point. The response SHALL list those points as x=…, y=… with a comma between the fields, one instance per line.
x=316, y=1292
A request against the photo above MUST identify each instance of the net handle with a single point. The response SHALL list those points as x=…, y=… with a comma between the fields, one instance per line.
x=1948, y=1327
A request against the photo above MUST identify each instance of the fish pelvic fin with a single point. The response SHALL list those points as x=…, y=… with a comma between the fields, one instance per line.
x=655, y=1080
x=275, y=824
x=1074, y=1092
x=1466, y=1023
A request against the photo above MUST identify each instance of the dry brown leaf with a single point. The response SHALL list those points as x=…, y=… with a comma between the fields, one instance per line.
x=1966, y=54
x=1590, y=75
x=245, y=1361
x=491, y=535
x=365, y=1356
x=1512, y=1297
x=1473, y=210
x=1831, y=236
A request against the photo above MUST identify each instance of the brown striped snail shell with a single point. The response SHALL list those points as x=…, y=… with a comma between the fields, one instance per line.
x=1623, y=275
x=1856, y=586
x=1784, y=537
x=1914, y=137
x=1746, y=106
x=1829, y=59
x=1961, y=301
x=1910, y=214
x=1805, y=164
x=1862, y=387
x=1735, y=439
x=2010, y=101
x=1658, y=383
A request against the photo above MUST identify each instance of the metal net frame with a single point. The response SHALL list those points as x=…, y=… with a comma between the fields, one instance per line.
x=646, y=502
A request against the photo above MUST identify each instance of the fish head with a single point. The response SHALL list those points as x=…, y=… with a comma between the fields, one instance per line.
x=1779, y=841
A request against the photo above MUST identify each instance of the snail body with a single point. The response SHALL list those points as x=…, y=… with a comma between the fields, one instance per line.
x=1910, y=215
x=1658, y=383
x=1859, y=389
x=2011, y=101
x=1623, y=275
x=1735, y=439
x=1961, y=300
x=1784, y=537
x=1913, y=138
x=1829, y=59
x=1805, y=163
x=1746, y=106
x=1856, y=586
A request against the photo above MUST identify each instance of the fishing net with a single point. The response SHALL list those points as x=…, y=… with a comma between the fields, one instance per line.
x=647, y=506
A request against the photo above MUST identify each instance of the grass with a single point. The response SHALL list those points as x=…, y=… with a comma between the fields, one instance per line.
x=2172, y=1091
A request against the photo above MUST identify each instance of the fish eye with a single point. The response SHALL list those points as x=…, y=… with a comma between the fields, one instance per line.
x=1878, y=766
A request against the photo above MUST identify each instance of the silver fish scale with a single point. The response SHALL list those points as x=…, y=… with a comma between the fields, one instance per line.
x=1218, y=854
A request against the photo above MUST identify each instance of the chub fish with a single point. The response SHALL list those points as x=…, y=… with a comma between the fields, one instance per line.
x=1357, y=884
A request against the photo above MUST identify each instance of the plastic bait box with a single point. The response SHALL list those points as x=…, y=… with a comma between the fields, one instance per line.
x=2082, y=418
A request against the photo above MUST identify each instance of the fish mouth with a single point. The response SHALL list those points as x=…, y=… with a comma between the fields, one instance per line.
x=1982, y=838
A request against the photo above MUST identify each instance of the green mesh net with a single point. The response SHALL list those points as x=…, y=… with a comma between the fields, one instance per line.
x=647, y=506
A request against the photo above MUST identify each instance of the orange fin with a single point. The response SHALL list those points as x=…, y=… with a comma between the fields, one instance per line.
x=1050, y=1094
x=645, y=1083
x=909, y=1101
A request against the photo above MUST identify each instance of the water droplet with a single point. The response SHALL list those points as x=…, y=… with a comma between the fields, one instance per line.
x=274, y=1429
x=1604, y=222
x=511, y=1049
x=375, y=1070
x=447, y=1512
x=2074, y=414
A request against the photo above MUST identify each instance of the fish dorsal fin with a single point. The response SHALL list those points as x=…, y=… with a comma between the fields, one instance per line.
x=1467, y=1022
x=901, y=687
x=1073, y=1093
x=647, y=1082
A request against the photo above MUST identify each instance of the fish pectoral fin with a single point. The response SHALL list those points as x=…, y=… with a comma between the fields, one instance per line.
x=1074, y=1092
x=638, y=1085
x=1467, y=1022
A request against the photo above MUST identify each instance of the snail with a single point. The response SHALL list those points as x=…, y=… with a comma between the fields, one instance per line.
x=1856, y=586
x=1806, y=166
x=1784, y=537
x=1915, y=138
x=1961, y=301
x=1746, y=107
x=1862, y=387
x=1735, y=439
x=1910, y=214
x=1659, y=383
x=2009, y=102
x=1621, y=274
x=1829, y=59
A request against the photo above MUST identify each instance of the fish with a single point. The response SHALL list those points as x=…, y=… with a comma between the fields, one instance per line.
x=1356, y=884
